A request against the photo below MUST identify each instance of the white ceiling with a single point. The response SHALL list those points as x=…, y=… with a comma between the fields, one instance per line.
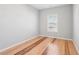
x=44, y=6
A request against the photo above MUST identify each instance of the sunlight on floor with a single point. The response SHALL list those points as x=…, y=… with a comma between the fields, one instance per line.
x=52, y=49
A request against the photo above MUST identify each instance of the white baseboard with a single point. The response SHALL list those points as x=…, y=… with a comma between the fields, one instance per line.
x=56, y=37
x=18, y=43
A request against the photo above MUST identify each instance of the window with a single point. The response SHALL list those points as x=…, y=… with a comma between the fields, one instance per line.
x=52, y=23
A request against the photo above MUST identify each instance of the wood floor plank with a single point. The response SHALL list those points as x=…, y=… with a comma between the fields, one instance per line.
x=56, y=48
x=20, y=47
x=72, y=50
x=46, y=50
x=39, y=49
x=43, y=46
x=27, y=49
x=67, y=52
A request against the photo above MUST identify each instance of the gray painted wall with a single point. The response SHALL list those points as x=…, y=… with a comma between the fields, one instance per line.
x=17, y=23
x=76, y=25
x=65, y=21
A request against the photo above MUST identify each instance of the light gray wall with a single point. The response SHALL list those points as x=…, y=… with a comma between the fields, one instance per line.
x=17, y=23
x=64, y=15
x=76, y=25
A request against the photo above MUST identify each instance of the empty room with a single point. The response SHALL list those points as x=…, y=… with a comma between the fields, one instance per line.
x=39, y=29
